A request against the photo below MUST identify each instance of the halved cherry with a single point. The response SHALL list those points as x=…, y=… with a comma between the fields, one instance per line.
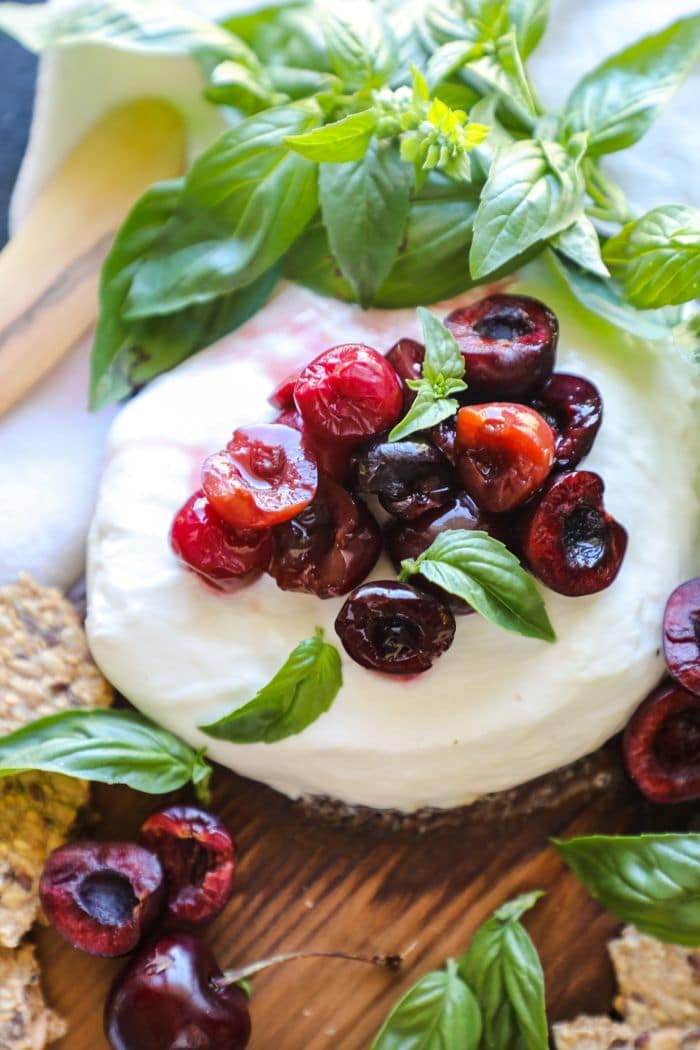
x=504, y=453
x=662, y=745
x=332, y=457
x=406, y=358
x=682, y=635
x=574, y=408
x=350, y=393
x=282, y=396
x=224, y=556
x=568, y=538
x=264, y=476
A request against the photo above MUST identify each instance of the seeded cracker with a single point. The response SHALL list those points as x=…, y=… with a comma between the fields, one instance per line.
x=659, y=983
x=600, y=1033
x=25, y=1023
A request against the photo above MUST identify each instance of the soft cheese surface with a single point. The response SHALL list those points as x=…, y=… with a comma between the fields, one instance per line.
x=497, y=709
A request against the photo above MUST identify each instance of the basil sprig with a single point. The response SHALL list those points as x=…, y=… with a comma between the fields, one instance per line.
x=481, y=571
x=492, y=998
x=111, y=747
x=503, y=969
x=304, y=687
x=443, y=372
x=652, y=881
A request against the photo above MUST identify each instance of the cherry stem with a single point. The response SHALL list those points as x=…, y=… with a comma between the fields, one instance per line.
x=386, y=962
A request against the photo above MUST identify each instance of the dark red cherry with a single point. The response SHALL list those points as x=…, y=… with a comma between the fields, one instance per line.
x=682, y=635
x=224, y=556
x=172, y=996
x=504, y=454
x=569, y=540
x=408, y=539
x=408, y=477
x=198, y=856
x=265, y=475
x=350, y=393
x=332, y=457
x=390, y=627
x=574, y=409
x=329, y=548
x=406, y=358
x=509, y=343
x=444, y=437
x=102, y=897
x=662, y=745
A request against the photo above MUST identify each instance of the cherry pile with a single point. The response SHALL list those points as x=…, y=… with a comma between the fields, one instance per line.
x=662, y=740
x=301, y=498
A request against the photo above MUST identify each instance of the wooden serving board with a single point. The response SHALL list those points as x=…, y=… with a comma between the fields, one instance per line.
x=305, y=882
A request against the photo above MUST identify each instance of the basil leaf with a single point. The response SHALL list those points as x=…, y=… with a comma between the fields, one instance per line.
x=127, y=354
x=652, y=881
x=365, y=209
x=244, y=202
x=602, y=298
x=438, y=1013
x=155, y=27
x=533, y=191
x=304, y=687
x=617, y=102
x=425, y=412
x=111, y=747
x=657, y=257
x=443, y=358
x=361, y=47
x=482, y=571
x=530, y=20
x=345, y=140
x=579, y=243
x=232, y=84
x=503, y=969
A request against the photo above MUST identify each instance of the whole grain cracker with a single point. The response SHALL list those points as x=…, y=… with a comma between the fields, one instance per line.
x=26, y=1023
x=659, y=983
x=600, y=1033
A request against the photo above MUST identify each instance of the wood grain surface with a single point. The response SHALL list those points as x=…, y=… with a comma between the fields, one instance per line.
x=305, y=882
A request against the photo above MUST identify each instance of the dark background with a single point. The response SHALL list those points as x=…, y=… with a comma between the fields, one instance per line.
x=17, y=74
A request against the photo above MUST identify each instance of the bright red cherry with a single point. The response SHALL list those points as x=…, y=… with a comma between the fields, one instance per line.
x=264, y=476
x=224, y=556
x=350, y=393
x=333, y=458
x=504, y=453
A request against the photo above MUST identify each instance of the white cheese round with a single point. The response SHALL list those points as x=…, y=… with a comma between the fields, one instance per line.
x=497, y=709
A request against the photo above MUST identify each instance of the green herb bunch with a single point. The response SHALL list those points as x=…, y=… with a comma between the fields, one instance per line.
x=389, y=153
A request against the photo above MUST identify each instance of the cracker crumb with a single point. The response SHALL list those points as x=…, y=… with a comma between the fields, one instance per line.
x=26, y=1023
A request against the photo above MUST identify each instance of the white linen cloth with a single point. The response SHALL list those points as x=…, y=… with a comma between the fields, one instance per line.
x=50, y=446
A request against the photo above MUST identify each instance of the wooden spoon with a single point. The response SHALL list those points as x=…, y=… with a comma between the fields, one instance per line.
x=49, y=272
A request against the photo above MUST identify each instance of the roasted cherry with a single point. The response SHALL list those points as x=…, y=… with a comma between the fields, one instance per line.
x=265, y=475
x=332, y=457
x=509, y=343
x=408, y=539
x=198, y=856
x=569, y=540
x=225, y=556
x=574, y=409
x=406, y=358
x=682, y=635
x=282, y=397
x=408, y=477
x=444, y=437
x=102, y=897
x=172, y=996
x=504, y=453
x=329, y=547
x=662, y=745
x=350, y=393
x=390, y=627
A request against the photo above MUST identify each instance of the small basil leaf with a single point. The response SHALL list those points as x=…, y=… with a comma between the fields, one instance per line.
x=652, y=881
x=530, y=20
x=361, y=47
x=618, y=101
x=126, y=354
x=244, y=202
x=443, y=358
x=438, y=1013
x=156, y=27
x=304, y=687
x=602, y=298
x=111, y=747
x=345, y=140
x=503, y=969
x=533, y=191
x=232, y=84
x=657, y=257
x=482, y=571
x=450, y=58
x=579, y=243
x=425, y=412
x=365, y=208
